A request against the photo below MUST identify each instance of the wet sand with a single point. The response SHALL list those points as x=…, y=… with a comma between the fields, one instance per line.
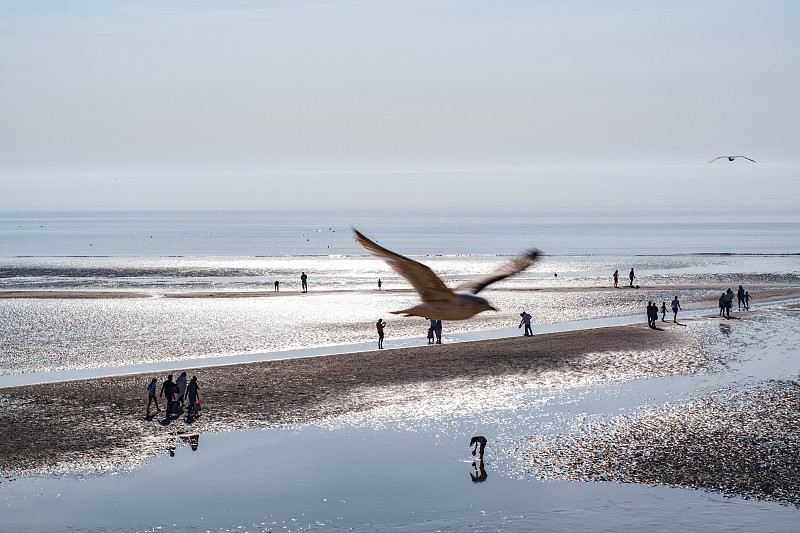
x=100, y=423
x=762, y=293
x=737, y=441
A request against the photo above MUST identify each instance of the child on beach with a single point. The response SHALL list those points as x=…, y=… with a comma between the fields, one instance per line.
x=151, y=392
x=663, y=310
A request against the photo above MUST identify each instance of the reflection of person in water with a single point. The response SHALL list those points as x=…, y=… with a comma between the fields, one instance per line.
x=478, y=440
x=193, y=440
x=480, y=475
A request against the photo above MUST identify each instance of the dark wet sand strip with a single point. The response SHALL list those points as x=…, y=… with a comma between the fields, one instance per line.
x=100, y=422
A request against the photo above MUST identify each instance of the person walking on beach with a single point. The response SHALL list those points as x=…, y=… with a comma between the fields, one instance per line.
x=740, y=297
x=168, y=392
x=746, y=301
x=616, y=278
x=277, y=285
x=478, y=440
x=180, y=385
x=193, y=391
x=152, y=398
x=722, y=305
x=380, y=324
x=379, y=283
x=304, y=282
x=526, y=319
x=438, y=331
x=650, y=323
x=676, y=306
x=631, y=276
x=663, y=311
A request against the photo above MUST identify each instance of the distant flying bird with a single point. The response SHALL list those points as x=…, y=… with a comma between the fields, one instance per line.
x=730, y=158
x=438, y=301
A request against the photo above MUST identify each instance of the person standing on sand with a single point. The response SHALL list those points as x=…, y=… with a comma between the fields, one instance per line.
x=151, y=392
x=304, y=282
x=728, y=302
x=478, y=440
x=526, y=319
x=650, y=314
x=740, y=297
x=722, y=305
x=380, y=324
x=168, y=392
x=746, y=301
x=676, y=306
x=277, y=285
x=438, y=331
x=194, y=394
x=379, y=283
x=631, y=275
x=616, y=278
x=180, y=385
x=663, y=311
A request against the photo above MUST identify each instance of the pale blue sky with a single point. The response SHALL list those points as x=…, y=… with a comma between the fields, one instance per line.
x=213, y=104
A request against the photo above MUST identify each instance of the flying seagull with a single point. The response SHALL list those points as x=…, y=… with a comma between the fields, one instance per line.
x=730, y=158
x=438, y=301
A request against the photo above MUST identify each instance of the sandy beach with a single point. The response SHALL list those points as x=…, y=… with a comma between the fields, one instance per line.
x=98, y=423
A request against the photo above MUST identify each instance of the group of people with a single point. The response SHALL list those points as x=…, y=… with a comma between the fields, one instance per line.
x=434, y=331
x=726, y=301
x=175, y=393
x=303, y=283
x=653, y=310
x=631, y=276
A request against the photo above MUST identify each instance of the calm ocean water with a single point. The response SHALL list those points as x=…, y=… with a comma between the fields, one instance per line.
x=163, y=253
x=450, y=232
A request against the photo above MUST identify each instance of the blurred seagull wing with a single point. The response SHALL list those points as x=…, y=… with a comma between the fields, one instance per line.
x=720, y=157
x=422, y=278
x=745, y=157
x=509, y=268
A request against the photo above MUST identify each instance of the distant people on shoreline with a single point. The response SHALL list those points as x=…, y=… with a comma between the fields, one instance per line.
x=304, y=282
x=727, y=302
x=631, y=276
x=438, y=331
x=740, y=297
x=277, y=285
x=746, y=301
x=526, y=319
x=380, y=324
x=616, y=279
x=652, y=314
x=379, y=283
x=676, y=306
x=663, y=311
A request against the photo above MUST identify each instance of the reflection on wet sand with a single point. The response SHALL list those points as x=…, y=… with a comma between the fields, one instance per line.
x=479, y=476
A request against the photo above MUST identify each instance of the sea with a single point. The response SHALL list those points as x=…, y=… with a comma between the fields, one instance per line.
x=200, y=289
x=161, y=255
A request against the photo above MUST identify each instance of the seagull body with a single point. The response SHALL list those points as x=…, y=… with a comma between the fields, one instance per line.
x=438, y=301
x=730, y=158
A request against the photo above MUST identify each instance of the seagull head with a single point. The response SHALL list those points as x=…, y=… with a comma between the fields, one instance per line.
x=484, y=304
